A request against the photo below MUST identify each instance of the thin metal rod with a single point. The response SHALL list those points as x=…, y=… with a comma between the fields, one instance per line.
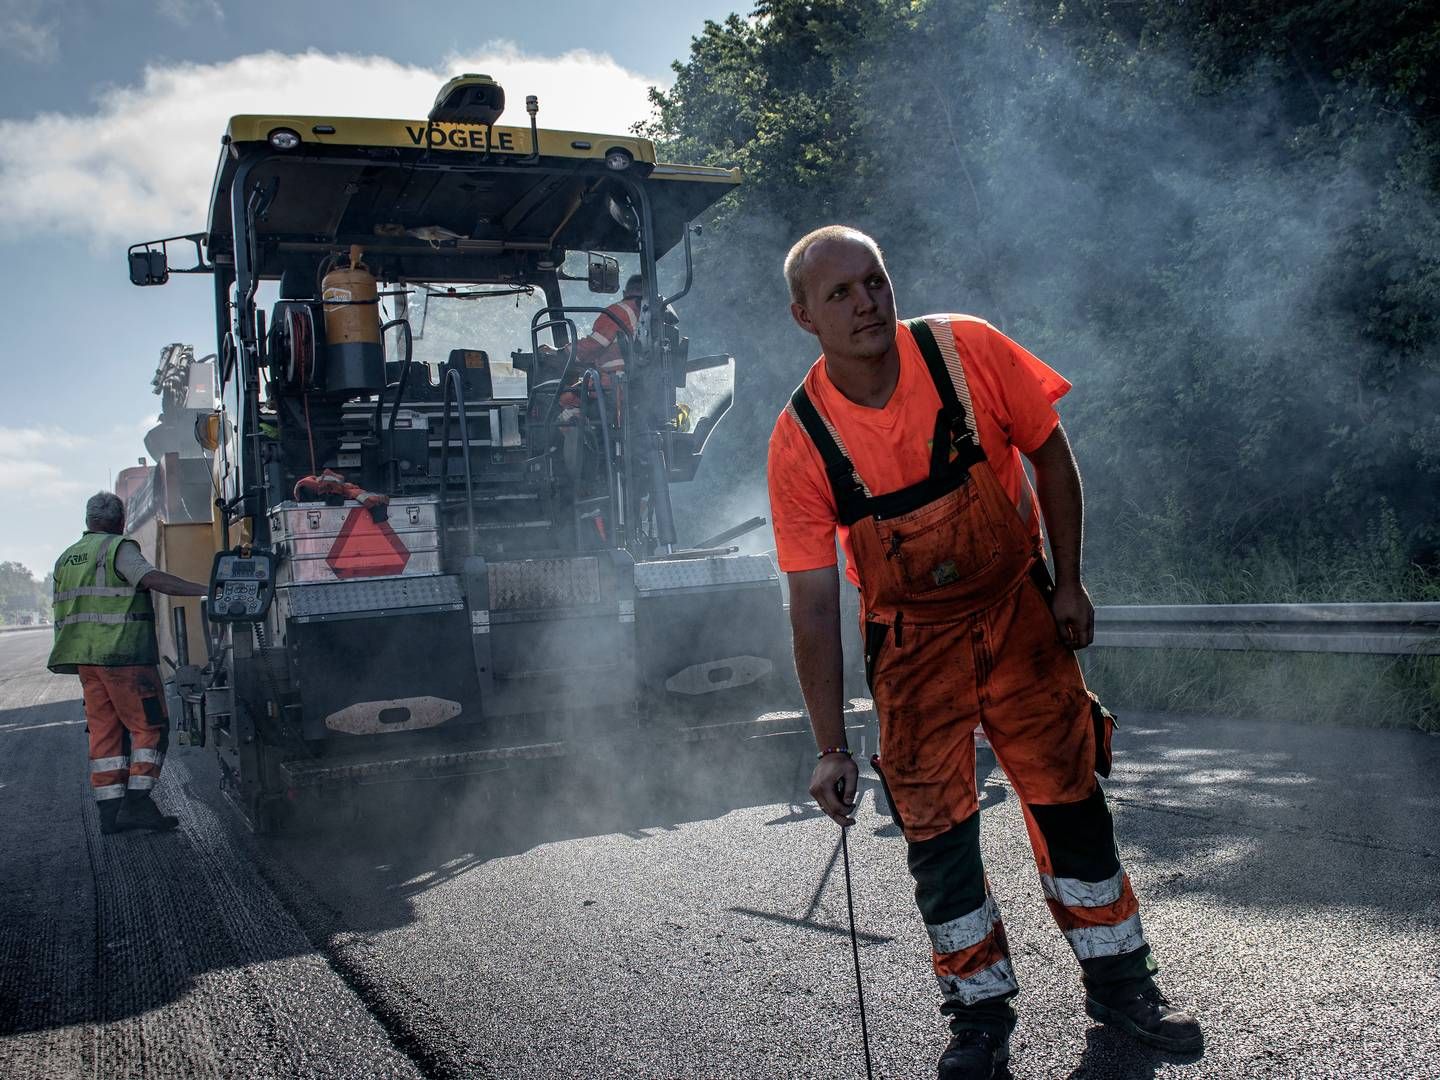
x=452, y=378
x=855, y=949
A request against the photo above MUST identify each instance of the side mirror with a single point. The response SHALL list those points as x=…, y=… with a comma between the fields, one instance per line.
x=604, y=275
x=149, y=268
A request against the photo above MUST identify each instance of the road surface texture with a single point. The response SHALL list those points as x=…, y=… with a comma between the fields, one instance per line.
x=609, y=920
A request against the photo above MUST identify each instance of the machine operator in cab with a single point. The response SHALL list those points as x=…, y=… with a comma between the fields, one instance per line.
x=602, y=348
x=905, y=441
x=105, y=633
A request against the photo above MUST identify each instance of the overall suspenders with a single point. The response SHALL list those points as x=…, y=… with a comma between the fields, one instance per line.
x=955, y=448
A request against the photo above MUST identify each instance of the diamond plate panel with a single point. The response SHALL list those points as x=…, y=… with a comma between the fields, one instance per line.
x=663, y=574
x=543, y=583
x=374, y=594
x=306, y=533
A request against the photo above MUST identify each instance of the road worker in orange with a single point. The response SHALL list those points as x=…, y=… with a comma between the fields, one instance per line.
x=905, y=441
x=604, y=348
x=105, y=633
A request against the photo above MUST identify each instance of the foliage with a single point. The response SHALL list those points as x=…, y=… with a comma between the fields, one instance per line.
x=1360, y=691
x=1218, y=219
x=22, y=598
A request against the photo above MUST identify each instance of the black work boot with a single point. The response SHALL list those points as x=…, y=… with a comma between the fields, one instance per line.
x=140, y=812
x=974, y=1055
x=1147, y=1016
x=109, y=809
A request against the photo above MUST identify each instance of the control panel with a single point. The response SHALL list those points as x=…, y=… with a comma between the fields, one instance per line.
x=241, y=586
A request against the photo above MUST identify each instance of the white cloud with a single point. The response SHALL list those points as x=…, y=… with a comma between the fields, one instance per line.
x=46, y=473
x=185, y=11
x=23, y=34
x=140, y=165
x=46, y=466
x=15, y=442
x=34, y=481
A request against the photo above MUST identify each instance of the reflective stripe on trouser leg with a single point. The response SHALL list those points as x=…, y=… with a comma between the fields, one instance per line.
x=136, y=694
x=970, y=955
x=109, y=740
x=108, y=776
x=145, y=764
x=1089, y=893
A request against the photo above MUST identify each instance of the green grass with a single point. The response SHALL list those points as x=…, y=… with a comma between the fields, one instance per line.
x=1312, y=688
x=1159, y=563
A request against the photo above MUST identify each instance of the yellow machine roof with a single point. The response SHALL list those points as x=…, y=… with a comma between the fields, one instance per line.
x=423, y=134
x=380, y=181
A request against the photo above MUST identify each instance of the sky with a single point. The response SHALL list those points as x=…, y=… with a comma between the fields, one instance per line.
x=110, y=121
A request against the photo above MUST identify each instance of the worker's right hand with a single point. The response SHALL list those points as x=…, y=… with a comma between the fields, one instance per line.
x=833, y=785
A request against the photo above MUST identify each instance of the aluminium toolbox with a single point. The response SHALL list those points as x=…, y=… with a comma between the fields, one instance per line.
x=315, y=541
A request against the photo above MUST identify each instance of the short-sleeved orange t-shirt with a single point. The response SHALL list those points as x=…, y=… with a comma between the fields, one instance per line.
x=1013, y=394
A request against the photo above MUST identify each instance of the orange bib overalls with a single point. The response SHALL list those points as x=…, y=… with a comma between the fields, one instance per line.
x=958, y=633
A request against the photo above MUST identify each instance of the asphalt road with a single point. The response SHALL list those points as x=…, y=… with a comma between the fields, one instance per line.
x=609, y=920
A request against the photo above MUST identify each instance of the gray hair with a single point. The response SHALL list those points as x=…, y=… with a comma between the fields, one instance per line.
x=104, y=512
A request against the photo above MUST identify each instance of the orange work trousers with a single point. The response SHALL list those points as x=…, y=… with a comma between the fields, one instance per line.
x=1002, y=669
x=129, y=730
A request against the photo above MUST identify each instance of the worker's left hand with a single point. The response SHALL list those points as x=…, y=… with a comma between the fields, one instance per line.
x=1074, y=615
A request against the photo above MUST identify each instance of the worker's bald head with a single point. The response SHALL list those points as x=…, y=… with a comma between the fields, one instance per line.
x=796, y=260
x=841, y=293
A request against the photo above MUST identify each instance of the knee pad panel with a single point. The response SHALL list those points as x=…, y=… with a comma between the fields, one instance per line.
x=1080, y=837
x=949, y=875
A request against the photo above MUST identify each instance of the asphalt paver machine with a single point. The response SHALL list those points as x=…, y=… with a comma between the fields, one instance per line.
x=447, y=533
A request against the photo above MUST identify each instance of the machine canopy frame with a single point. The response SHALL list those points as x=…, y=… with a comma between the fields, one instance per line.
x=447, y=202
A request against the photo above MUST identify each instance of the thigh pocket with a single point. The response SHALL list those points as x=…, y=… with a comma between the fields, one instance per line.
x=885, y=787
x=154, y=712
x=875, y=635
x=1105, y=726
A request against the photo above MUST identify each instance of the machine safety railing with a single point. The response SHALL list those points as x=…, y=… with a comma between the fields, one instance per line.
x=1397, y=629
x=453, y=381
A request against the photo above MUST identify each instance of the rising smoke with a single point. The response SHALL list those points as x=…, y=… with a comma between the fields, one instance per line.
x=1200, y=261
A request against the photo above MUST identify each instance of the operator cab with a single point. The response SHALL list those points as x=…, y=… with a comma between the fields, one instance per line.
x=434, y=279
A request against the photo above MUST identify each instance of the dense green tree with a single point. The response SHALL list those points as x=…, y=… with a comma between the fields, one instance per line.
x=1218, y=219
x=21, y=596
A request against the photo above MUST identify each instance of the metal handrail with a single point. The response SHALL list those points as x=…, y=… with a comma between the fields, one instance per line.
x=452, y=376
x=1398, y=629
x=590, y=380
x=623, y=337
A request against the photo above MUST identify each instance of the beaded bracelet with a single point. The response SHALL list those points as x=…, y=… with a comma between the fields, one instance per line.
x=833, y=750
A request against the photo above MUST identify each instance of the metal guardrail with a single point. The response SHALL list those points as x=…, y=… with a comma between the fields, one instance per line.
x=1376, y=629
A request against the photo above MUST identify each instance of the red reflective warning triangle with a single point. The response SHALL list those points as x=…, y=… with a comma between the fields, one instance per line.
x=366, y=547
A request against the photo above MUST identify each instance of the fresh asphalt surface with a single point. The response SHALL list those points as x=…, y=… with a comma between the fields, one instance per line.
x=611, y=920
